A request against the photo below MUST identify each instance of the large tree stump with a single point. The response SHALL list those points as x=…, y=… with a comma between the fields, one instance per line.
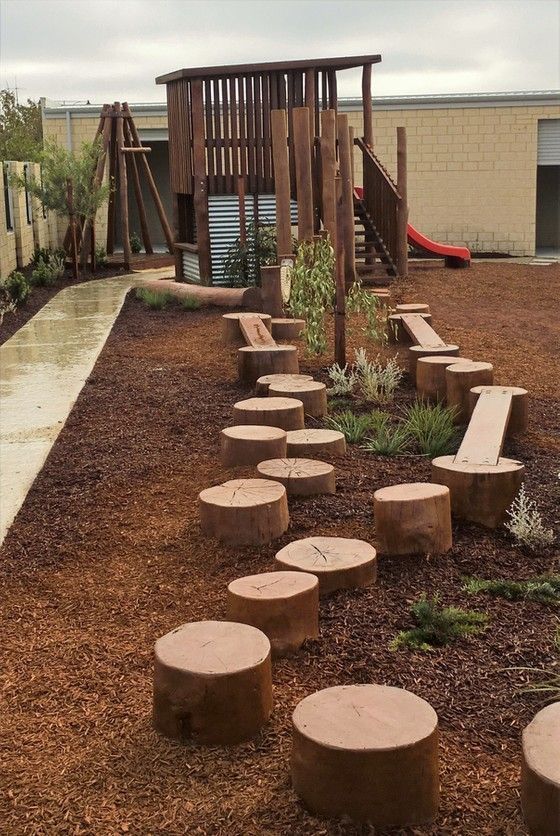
x=540, y=772
x=519, y=416
x=287, y=330
x=314, y=442
x=413, y=518
x=430, y=376
x=244, y=511
x=284, y=605
x=248, y=444
x=271, y=290
x=459, y=380
x=369, y=753
x=301, y=477
x=480, y=493
x=338, y=562
x=312, y=394
x=397, y=332
x=416, y=351
x=286, y=413
x=253, y=363
x=231, y=332
x=262, y=384
x=212, y=682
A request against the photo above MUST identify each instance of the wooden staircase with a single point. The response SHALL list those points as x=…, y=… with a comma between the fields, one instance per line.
x=373, y=260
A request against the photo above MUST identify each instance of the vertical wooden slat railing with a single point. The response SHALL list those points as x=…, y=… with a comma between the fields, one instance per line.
x=381, y=199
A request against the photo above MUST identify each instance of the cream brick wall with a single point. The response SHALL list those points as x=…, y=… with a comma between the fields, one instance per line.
x=22, y=227
x=41, y=237
x=8, y=257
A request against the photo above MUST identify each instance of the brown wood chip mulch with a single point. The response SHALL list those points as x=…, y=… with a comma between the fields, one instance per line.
x=106, y=555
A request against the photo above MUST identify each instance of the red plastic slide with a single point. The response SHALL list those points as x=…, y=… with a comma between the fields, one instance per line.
x=454, y=256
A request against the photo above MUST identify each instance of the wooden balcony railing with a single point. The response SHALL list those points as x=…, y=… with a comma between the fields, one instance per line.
x=381, y=199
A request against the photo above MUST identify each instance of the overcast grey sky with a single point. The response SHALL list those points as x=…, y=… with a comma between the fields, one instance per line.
x=104, y=50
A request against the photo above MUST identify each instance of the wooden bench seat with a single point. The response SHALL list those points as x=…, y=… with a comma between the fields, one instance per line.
x=426, y=341
x=256, y=333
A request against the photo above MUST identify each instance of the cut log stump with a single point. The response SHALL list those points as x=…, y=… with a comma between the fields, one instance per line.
x=315, y=442
x=212, y=682
x=417, y=351
x=262, y=384
x=412, y=307
x=312, y=394
x=519, y=416
x=284, y=605
x=253, y=363
x=397, y=332
x=301, y=477
x=430, y=376
x=480, y=493
x=459, y=380
x=369, y=753
x=413, y=518
x=249, y=444
x=231, y=332
x=338, y=562
x=287, y=330
x=244, y=511
x=540, y=772
x=286, y=413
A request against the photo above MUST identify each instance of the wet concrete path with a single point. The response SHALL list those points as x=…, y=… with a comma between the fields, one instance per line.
x=43, y=368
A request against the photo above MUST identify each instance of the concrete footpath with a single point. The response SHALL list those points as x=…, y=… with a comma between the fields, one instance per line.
x=43, y=368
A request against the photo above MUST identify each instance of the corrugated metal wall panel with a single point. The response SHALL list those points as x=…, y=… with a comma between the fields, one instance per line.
x=191, y=271
x=223, y=213
x=548, y=148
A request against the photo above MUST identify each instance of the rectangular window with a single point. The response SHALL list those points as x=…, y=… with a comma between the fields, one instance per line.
x=28, y=204
x=8, y=200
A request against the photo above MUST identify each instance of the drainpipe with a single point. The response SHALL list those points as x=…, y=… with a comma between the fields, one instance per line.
x=68, y=130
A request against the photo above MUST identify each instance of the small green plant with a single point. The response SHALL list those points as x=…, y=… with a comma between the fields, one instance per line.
x=360, y=300
x=41, y=254
x=18, y=287
x=45, y=274
x=343, y=380
x=244, y=260
x=377, y=381
x=544, y=588
x=101, y=256
x=190, y=303
x=313, y=291
x=438, y=626
x=153, y=299
x=135, y=243
x=526, y=523
x=7, y=304
x=387, y=439
x=353, y=427
x=432, y=427
x=543, y=681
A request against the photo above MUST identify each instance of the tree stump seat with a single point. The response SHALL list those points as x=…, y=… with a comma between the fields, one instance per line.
x=231, y=332
x=249, y=444
x=284, y=605
x=212, y=682
x=519, y=415
x=286, y=413
x=413, y=518
x=287, y=329
x=255, y=361
x=262, y=384
x=415, y=352
x=312, y=394
x=301, y=477
x=459, y=380
x=482, y=483
x=430, y=376
x=412, y=307
x=338, y=562
x=540, y=772
x=244, y=511
x=368, y=753
x=314, y=442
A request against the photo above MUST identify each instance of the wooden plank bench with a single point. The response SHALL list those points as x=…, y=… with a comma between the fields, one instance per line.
x=482, y=483
x=256, y=333
x=426, y=341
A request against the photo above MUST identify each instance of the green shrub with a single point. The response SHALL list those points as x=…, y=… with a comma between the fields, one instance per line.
x=313, y=291
x=7, y=304
x=437, y=626
x=353, y=427
x=153, y=298
x=432, y=427
x=190, y=303
x=18, y=287
x=526, y=523
x=243, y=261
x=377, y=381
x=44, y=274
x=387, y=439
x=361, y=300
x=544, y=588
x=135, y=243
x=46, y=254
x=100, y=256
x=343, y=380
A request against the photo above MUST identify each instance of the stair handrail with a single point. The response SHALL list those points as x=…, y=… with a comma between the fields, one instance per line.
x=369, y=152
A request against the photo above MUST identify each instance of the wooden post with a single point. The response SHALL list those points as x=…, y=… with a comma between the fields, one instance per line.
x=177, y=253
x=200, y=181
x=281, y=181
x=344, y=153
x=310, y=103
x=304, y=185
x=340, y=303
x=112, y=181
x=328, y=168
x=123, y=187
x=105, y=124
x=242, y=212
x=72, y=218
x=402, y=210
x=367, y=105
x=131, y=161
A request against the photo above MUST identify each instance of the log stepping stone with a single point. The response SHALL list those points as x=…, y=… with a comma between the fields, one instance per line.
x=286, y=413
x=231, y=332
x=284, y=605
x=244, y=511
x=540, y=772
x=398, y=333
x=367, y=752
x=430, y=376
x=312, y=394
x=212, y=682
x=415, y=352
x=414, y=518
x=412, y=307
x=315, y=442
x=301, y=477
x=460, y=379
x=254, y=362
x=249, y=444
x=338, y=562
x=262, y=384
x=287, y=329
x=519, y=415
